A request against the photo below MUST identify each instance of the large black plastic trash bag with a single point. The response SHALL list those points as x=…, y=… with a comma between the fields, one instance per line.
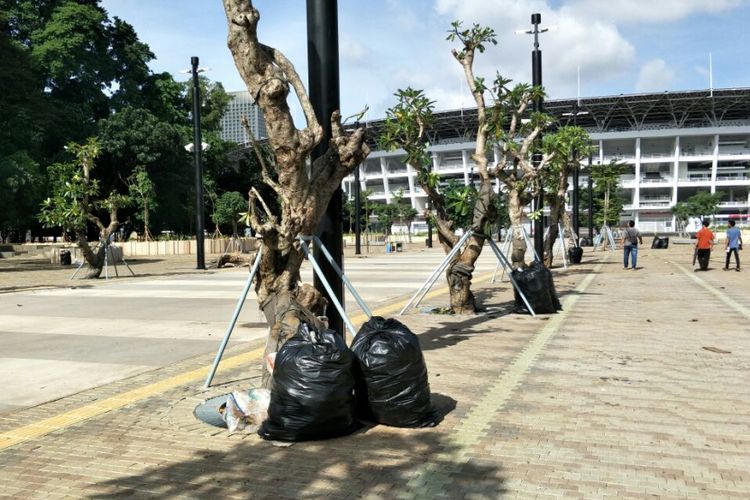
x=575, y=254
x=312, y=390
x=537, y=285
x=660, y=242
x=392, y=386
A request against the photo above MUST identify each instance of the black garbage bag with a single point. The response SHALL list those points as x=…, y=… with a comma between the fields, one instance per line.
x=312, y=390
x=575, y=254
x=392, y=386
x=660, y=242
x=538, y=287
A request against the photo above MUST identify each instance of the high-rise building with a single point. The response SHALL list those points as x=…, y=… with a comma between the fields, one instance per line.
x=674, y=145
x=241, y=104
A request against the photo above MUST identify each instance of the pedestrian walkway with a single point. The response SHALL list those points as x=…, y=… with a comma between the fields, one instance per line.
x=638, y=388
x=58, y=341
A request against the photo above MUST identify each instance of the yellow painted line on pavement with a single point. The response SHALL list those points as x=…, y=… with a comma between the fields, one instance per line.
x=715, y=291
x=58, y=422
x=77, y=415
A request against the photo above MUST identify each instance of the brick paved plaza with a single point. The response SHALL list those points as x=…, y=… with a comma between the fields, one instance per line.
x=639, y=388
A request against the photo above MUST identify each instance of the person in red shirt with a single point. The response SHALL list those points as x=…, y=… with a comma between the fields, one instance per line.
x=703, y=246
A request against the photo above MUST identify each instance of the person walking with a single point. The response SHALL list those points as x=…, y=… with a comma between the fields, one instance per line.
x=630, y=239
x=703, y=246
x=734, y=244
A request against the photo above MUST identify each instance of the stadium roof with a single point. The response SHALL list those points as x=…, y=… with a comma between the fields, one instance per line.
x=690, y=109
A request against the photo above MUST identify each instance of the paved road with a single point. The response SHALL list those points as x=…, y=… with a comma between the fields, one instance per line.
x=56, y=342
x=638, y=388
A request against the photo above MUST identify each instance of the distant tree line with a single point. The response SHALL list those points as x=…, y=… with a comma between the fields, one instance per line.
x=70, y=73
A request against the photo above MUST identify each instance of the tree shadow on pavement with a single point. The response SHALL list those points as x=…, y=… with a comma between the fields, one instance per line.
x=383, y=462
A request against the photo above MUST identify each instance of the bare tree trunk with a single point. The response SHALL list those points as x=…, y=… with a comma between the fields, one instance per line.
x=556, y=211
x=515, y=213
x=303, y=193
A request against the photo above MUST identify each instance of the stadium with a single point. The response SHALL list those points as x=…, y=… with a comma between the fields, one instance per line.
x=675, y=144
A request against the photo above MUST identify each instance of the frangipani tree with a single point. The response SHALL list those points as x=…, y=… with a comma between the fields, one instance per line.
x=500, y=124
x=75, y=202
x=569, y=145
x=303, y=192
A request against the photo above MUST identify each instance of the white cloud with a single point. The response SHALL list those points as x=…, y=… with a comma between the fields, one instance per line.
x=623, y=11
x=351, y=50
x=597, y=47
x=655, y=76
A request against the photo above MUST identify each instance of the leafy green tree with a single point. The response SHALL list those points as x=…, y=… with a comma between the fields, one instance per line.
x=608, y=201
x=75, y=202
x=230, y=207
x=143, y=194
x=704, y=204
x=459, y=203
x=499, y=123
x=566, y=146
x=386, y=214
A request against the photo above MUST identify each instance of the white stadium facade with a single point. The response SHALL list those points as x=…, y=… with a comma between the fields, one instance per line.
x=675, y=145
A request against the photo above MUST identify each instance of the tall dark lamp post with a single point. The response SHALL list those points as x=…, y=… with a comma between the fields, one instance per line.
x=536, y=80
x=197, y=156
x=576, y=170
x=323, y=80
x=429, y=210
x=357, y=213
x=591, y=203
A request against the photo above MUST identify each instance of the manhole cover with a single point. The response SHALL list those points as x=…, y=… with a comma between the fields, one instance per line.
x=208, y=411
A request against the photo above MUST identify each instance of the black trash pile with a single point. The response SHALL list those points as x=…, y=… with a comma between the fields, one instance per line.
x=312, y=391
x=575, y=254
x=660, y=242
x=392, y=386
x=538, y=287
x=315, y=375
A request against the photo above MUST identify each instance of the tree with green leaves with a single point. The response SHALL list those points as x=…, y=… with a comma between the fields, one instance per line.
x=607, y=201
x=569, y=144
x=230, y=207
x=75, y=202
x=143, y=195
x=386, y=214
x=498, y=124
x=704, y=204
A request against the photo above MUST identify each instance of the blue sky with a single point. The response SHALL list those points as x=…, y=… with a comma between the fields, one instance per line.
x=621, y=46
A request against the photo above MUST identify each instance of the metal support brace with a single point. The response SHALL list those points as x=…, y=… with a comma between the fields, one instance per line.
x=508, y=244
x=605, y=236
x=340, y=272
x=235, y=316
x=503, y=260
x=317, y=270
x=433, y=277
x=561, y=235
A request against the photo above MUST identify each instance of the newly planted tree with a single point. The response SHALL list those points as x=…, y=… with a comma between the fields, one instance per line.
x=303, y=192
x=569, y=145
x=497, y=124
x=608, y=203
x=229, y=210
x=75, y=203
x=143, y=194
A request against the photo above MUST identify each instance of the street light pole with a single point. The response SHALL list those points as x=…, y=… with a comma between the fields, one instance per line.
x=536, y=81
x=198, y=152
x=357, y=213
x=323, y=79
x=591, y=204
